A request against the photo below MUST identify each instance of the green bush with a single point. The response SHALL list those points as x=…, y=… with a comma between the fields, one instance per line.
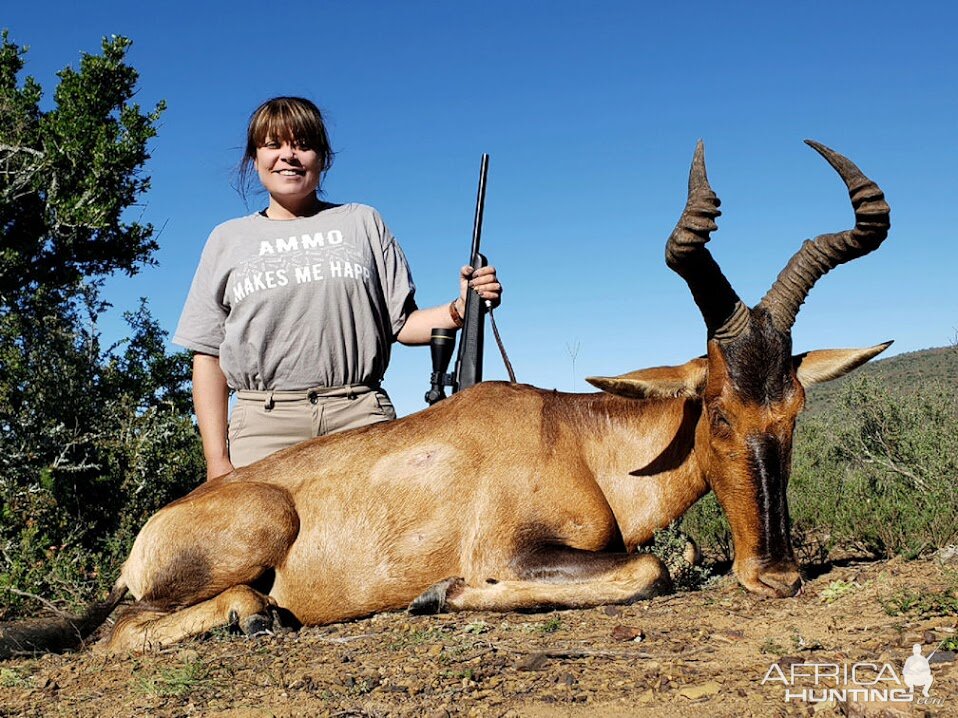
x=93, y=439
x=881, y=474
x=92, y=442
x=671, y=545
x=707, y=526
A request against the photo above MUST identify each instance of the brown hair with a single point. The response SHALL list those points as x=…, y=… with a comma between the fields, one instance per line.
x=291, y=119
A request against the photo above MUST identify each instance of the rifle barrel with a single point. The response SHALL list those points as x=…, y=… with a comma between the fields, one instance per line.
x=480, y=205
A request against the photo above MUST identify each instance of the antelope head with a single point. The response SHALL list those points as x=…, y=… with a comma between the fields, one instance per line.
x=751, y=386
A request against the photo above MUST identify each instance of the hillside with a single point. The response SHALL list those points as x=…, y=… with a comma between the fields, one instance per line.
x=904, y=373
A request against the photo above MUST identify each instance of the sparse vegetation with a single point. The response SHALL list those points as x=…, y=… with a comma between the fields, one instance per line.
x=417, y=637
x=949, y=644
x=671, y=545
x=477, y=627
x=12, y=678
x=942, y=601
x=176, y=681
x=836, y=589
x=925, y=605
x=549, y=626
x=772, y=647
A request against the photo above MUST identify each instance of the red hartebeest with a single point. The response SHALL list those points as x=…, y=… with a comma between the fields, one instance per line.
x=544, y=506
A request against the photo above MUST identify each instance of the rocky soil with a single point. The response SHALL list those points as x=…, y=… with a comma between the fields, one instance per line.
x=700, y=653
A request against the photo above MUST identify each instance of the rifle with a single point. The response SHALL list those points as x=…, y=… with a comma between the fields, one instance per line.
x=468, y=369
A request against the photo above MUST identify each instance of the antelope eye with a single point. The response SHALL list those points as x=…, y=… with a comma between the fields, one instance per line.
x=720, y=422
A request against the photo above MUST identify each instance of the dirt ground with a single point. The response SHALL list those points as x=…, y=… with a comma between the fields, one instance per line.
x=701, y=653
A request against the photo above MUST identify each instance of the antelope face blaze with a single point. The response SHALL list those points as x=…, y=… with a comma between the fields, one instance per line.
x=751, y=400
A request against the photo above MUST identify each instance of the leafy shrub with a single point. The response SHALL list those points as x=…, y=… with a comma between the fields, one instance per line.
x=92, y=442
x=93, y=439
x=709, y=528
x=671, y=545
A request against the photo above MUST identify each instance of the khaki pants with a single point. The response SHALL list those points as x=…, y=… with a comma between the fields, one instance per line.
x=263, y=421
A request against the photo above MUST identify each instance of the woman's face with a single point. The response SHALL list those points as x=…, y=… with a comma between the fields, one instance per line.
x=288, y=170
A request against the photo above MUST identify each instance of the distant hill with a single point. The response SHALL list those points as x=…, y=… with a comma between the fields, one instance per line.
x=904, y=372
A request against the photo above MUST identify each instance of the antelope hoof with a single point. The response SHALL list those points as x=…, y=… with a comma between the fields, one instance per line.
x=784, y=584
x=781, y=580
x=259, y=624
x=659, y=581
x=433, y=599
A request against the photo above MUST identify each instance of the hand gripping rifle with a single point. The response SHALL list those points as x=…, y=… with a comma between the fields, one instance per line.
x=468, y=369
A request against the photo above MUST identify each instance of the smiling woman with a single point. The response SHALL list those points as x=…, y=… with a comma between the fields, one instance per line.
x=296, y=307
x=288, y=146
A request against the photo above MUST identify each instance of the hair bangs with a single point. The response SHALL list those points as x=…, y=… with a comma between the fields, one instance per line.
x=289, y=122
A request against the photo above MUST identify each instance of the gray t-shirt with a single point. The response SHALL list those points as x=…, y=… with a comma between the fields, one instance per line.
x=290, y=305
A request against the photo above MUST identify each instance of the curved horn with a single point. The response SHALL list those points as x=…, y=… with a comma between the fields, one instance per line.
x=724, y=313
x=825, y=252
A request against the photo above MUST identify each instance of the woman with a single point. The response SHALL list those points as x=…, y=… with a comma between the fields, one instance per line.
x=296, y=307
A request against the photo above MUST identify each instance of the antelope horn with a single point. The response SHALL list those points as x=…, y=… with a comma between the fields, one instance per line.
x=724, y=313
x=825, y=252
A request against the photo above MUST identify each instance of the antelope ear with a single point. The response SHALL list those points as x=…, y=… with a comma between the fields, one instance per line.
x=824, y=365
x=661, y=382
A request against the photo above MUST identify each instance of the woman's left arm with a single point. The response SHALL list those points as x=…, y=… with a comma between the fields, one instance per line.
x=419, y=325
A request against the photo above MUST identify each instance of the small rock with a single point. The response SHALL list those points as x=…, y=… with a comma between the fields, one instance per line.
x=612, y=611
x=942, y=657
x=188, y=655
x=48, y=684
x=700, y=691
x=910, y=638
x=786, y=662
x=647, y=696
x=434, y=651
x=627, y=633
x=823, y=706
x=948, y=554
x=532, y=662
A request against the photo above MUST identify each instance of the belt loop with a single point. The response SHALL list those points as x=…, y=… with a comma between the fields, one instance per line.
x=350, y=393
x=268, y=403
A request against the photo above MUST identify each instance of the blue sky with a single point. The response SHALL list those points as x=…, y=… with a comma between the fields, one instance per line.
x=590, y=112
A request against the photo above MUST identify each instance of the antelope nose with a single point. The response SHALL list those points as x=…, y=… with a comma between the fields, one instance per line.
x=785, y=582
